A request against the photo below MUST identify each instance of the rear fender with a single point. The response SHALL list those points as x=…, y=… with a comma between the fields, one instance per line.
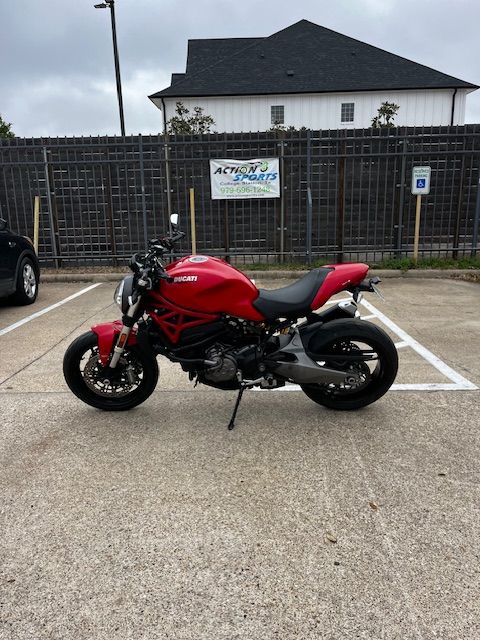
x=323, y=331
x=107, y=335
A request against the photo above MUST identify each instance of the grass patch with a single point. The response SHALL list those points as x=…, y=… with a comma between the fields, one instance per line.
x=405, y=264
x=401, y=264
x=275, y=266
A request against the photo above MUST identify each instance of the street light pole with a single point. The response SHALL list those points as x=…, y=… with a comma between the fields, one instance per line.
x=111, y=5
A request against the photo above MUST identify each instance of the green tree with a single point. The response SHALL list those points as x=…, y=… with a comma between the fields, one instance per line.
x=184, y=122
x=279, y=128
x=385, y=115
x=6, y=129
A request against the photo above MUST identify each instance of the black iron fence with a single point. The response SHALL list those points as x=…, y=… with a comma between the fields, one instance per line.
x=345, y=194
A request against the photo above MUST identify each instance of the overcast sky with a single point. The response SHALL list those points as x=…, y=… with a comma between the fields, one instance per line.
x=57, y=74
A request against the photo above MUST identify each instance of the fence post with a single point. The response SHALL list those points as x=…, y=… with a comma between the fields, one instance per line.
x=341, y=202
x=226, y=231
x=142, y=186
x=309, y=226
x=476, y=222
x=456, y=236
x=309, y=200
x=53, y=236
x=168, y=177
x=282, y=201
x=111, y=226
x=401, y=203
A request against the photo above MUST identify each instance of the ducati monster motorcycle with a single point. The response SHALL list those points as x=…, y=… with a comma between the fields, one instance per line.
x=206, y=315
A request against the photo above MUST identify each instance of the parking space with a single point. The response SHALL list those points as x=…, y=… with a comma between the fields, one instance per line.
x=301, y=523
x=28, y=334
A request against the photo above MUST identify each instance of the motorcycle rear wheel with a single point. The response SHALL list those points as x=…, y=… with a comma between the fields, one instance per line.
x=376, y=378
x=134, y=380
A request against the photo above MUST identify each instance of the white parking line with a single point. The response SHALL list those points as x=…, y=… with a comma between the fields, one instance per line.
x=15, y=325
x=458, y=382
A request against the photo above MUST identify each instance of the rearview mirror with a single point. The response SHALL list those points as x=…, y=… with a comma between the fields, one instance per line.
x=3, y=224
x=174, y=219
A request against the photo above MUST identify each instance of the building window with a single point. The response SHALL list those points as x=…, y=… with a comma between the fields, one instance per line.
x=348, y=112
x=277, y=114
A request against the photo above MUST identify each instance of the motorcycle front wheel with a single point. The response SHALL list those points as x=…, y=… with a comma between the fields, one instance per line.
x=360, y=347
x=131, y=383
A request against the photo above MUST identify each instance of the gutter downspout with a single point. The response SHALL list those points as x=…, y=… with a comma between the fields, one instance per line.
x=453, y=106
x=165, y=115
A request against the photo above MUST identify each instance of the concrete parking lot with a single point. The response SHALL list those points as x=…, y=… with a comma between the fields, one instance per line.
x=301, y=523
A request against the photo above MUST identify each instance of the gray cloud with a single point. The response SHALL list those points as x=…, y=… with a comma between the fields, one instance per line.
x=57, y=64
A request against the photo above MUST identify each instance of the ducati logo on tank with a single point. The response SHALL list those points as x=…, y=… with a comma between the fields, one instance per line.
x=237, y=179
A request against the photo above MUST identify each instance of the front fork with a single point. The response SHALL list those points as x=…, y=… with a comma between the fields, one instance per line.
x=128, y=323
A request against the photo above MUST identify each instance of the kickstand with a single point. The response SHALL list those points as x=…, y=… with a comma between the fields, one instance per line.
x=231, y=424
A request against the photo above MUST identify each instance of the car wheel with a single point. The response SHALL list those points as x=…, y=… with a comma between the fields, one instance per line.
x=27, y=283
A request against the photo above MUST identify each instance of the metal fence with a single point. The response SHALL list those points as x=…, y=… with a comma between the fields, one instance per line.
x=345, y=194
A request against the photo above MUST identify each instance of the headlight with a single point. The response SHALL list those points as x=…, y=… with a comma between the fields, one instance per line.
x=123, y=292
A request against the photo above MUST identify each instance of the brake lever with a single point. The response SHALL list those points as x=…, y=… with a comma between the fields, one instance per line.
x=166, y=277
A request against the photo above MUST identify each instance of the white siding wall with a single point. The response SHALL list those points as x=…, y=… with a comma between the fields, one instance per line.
x=322, y=111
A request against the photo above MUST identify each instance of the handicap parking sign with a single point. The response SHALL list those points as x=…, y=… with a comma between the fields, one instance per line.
x=421, y=180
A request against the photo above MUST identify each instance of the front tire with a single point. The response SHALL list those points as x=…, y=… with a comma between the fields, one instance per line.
x=135, y=377
x=343, y=337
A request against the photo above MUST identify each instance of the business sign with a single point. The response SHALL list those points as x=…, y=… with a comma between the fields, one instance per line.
x=421, y=181
x=237, y=179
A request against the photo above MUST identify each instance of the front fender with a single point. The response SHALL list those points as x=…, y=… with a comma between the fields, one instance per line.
x=107, y=335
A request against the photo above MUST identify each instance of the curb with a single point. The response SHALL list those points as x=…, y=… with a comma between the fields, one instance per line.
x=273, y=275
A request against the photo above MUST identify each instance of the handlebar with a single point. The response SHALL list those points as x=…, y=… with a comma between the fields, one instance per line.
x=166, y=244
x=148, y=266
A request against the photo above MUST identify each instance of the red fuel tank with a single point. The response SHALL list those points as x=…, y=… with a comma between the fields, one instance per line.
x=210, y=285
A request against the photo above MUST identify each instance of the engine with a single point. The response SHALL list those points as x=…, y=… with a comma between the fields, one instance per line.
x=229, y=361
x=227, y=366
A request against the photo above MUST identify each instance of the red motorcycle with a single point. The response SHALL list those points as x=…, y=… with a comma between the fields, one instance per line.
x=206, y=315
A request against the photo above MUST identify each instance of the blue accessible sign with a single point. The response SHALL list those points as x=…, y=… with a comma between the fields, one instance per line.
x=421, y=180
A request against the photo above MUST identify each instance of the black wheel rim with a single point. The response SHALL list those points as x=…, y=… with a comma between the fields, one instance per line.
x=127, y=377
x=348, y=354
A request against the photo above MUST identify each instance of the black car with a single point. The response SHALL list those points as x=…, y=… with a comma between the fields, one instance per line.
x=19, y=268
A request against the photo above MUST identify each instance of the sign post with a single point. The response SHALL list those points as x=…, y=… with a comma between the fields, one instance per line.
x=193, y=226
x=36, y=222
x=420, y=186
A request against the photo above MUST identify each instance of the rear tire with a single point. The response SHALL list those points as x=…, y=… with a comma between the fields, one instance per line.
x=378, y=382
x=142, y=364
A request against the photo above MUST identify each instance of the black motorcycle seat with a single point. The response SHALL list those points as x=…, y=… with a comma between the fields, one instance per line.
x=294, y=300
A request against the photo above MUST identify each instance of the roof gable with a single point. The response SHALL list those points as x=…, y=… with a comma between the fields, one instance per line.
x=303, y=58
